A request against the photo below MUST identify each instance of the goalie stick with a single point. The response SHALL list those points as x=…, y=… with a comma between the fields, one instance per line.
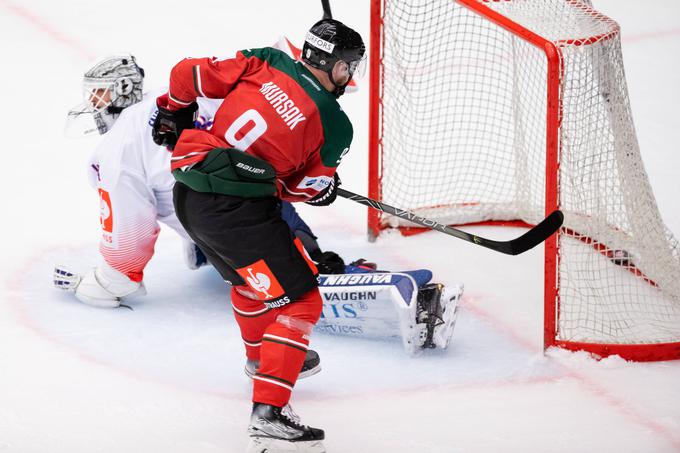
x=525, y=242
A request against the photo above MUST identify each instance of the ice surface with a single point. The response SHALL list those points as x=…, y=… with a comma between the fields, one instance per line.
x=167, y=376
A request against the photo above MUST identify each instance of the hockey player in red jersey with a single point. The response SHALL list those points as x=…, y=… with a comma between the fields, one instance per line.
x=279, y=135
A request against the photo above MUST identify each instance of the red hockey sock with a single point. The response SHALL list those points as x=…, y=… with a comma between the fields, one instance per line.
x=252, y=318
x=284, y=347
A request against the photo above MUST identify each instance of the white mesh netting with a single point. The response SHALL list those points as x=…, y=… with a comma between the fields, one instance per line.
x=463, y=140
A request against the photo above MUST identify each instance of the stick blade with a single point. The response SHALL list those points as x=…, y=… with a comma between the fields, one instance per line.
x=537, y=234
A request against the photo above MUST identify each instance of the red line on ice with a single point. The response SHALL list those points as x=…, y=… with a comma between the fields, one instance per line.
x=42, y=25
x=589, y=384
x=650, y=35
x=15, y=285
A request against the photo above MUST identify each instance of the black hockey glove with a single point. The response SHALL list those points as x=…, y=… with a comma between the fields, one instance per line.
x=327, y=195
x=328, y=262
x=168, y=125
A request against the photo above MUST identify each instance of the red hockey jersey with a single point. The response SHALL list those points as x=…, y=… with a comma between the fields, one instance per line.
x=274, y=109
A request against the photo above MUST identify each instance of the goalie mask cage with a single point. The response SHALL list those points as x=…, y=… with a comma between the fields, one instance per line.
x=487, y=111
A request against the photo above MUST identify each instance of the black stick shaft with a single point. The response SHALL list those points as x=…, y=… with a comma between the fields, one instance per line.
x=527, y=241
x=326, y=5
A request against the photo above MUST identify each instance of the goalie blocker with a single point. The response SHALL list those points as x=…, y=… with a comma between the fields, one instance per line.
x=385, y=305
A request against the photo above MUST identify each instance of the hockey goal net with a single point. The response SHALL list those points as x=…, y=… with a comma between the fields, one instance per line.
x=504, y=110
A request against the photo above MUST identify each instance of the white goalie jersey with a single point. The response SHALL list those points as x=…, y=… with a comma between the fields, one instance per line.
x=132, y=176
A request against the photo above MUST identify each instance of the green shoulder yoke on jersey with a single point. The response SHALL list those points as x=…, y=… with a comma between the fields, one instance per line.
x=337, y=128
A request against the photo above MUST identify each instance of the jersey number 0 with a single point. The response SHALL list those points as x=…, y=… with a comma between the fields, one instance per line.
x=259, y=127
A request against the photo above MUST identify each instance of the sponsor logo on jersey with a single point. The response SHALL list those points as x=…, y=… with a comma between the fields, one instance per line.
x=204, y=123
x=95, y=167
x=280, y=302
x=105, y=212
x=317, y=183
x=319, y=43
x=356, y=279
x=261, y=279
x=106, y=219
x=282, y=104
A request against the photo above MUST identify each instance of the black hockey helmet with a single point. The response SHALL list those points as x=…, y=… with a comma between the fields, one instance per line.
x=330, y=41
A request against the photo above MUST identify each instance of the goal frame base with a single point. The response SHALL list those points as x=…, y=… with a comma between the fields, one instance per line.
x=654, y=352
x=554, y=114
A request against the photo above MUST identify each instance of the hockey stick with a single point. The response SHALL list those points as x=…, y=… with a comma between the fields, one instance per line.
x=326, y=5
x=525, y=242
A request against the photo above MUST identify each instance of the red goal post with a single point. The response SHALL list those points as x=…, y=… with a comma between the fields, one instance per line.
x=501, y=111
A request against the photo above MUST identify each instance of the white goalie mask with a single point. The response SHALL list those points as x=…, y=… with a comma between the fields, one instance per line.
x=111, y=85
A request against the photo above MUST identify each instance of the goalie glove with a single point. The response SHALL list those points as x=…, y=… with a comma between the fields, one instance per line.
x=101, y=286
x=65, y=279
x=169, y=124
x=194, y=257
x=328, y=262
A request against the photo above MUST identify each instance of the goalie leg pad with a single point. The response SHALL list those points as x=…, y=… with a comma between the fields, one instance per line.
x=376, y=305
x=381, y=305
x=101, y=286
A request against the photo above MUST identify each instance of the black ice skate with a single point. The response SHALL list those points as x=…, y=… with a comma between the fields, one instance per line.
x=276, y=430
x=310, y=367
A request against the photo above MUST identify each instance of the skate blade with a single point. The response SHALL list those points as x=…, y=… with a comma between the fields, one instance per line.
x=309, y=373
x=302, y=375
x=268, y=445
